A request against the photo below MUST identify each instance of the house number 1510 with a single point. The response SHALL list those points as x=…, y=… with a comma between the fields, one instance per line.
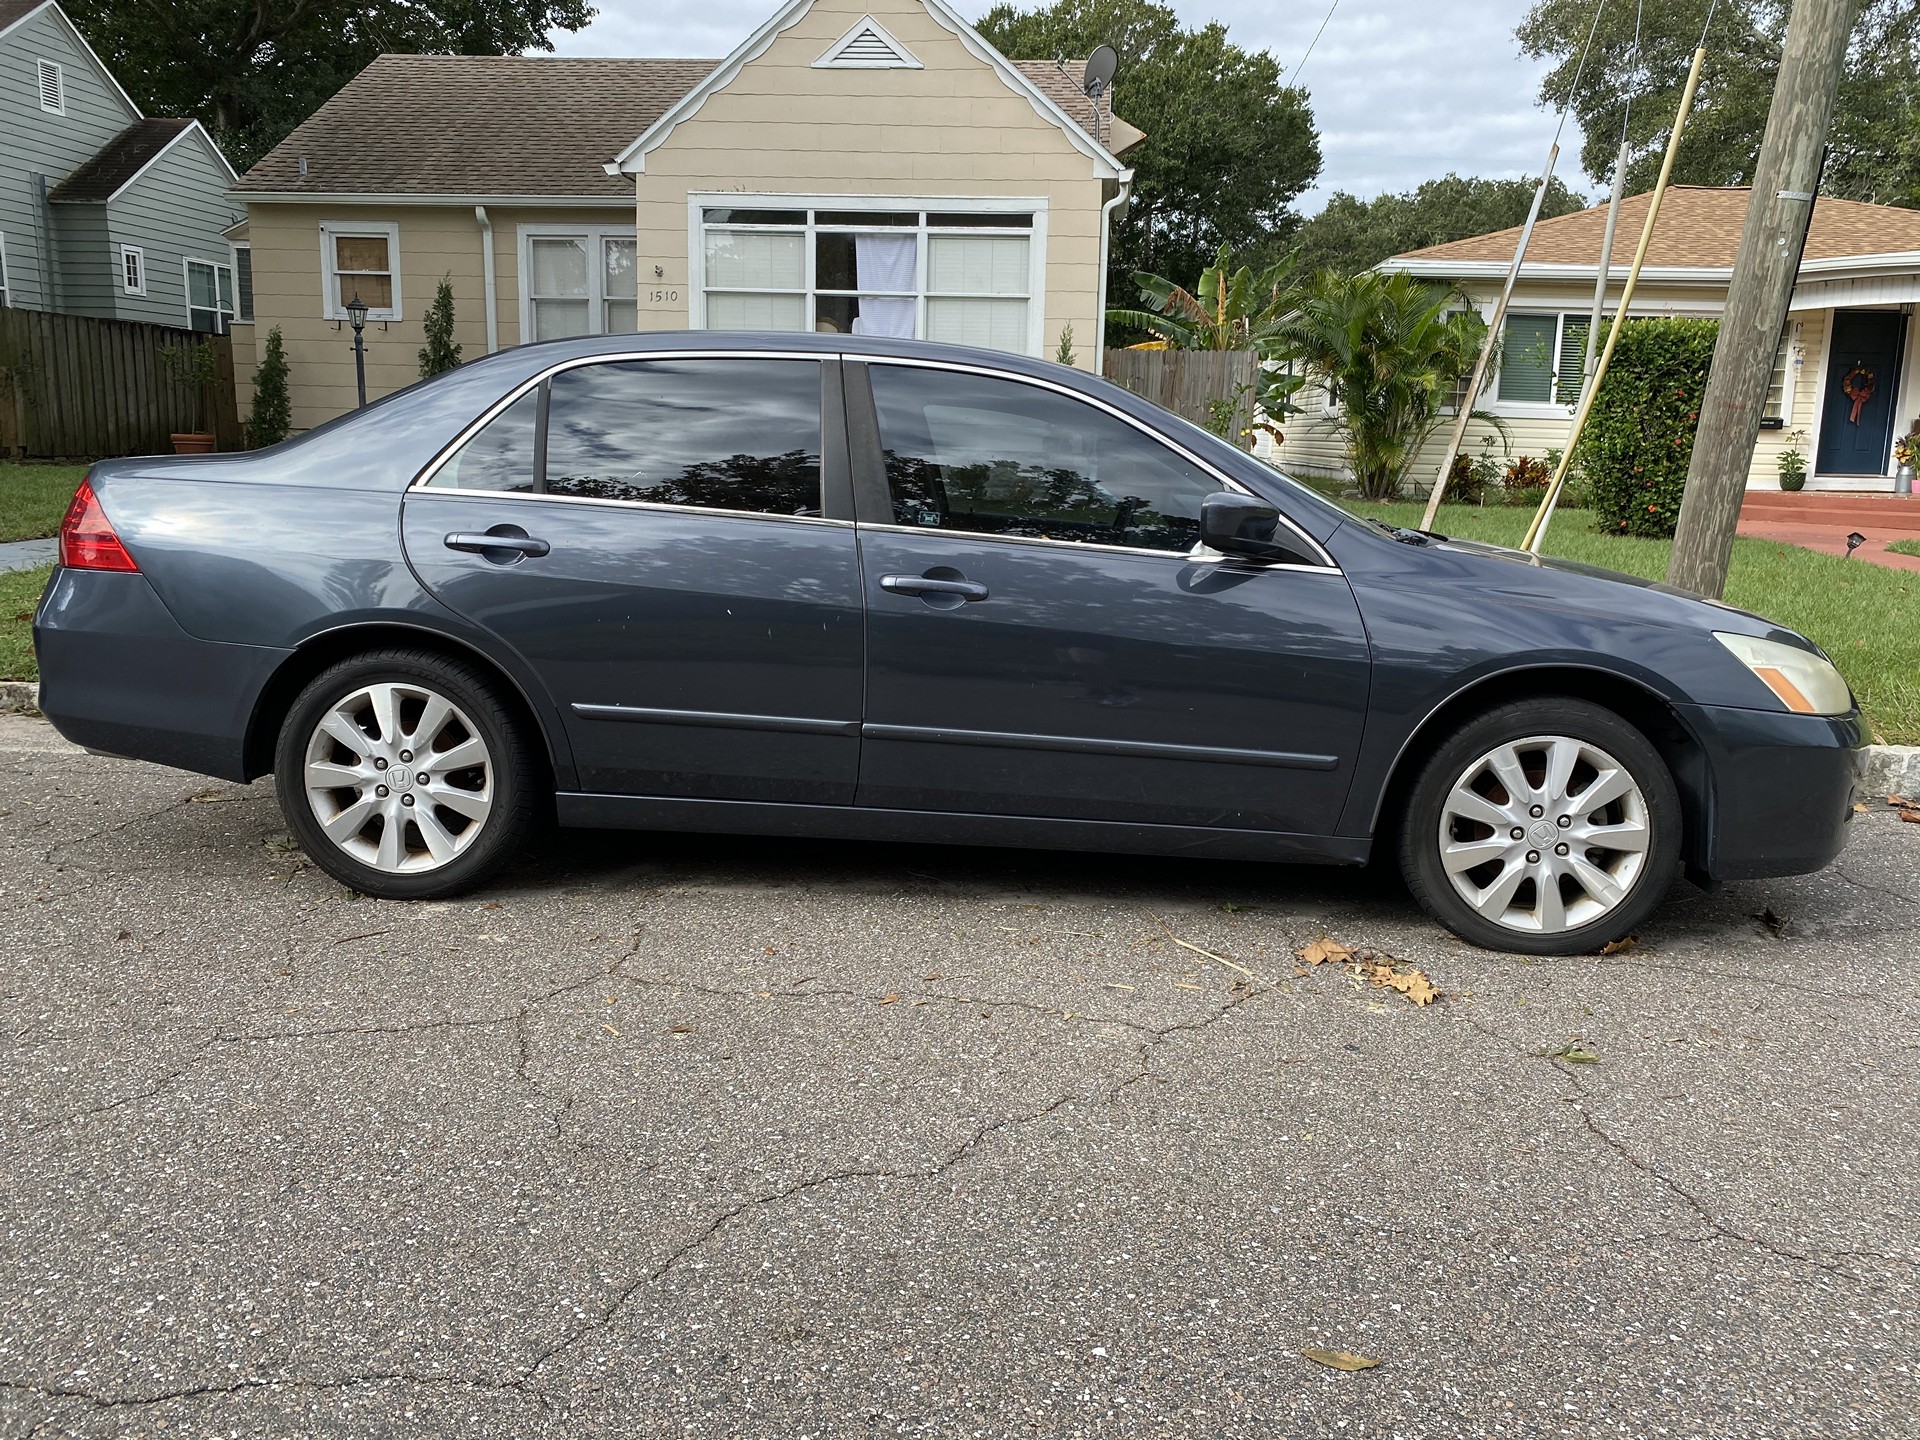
x=662, y=297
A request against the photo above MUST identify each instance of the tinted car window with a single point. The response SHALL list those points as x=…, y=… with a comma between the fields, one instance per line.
x=718, y=434
x=969, y=452
x=500, y=454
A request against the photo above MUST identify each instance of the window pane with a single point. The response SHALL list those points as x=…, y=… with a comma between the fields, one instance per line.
x=966, y=452
x=559, y=319
x=225, y=276
x=991, y=324
x=620, y=278
x=1778, y=383
x=200, y=285
x=360, y=252
x=866, y=218
x=755, y=217
x=500, y=455
x=756, y=260
x=243, y=277
x=977, y=264
x=756, y=312
x=1570, y=376
x=718, y=434
x=621, y=318
x=560, y=267
x=376, y=290
x=207, y=322
x=977, y=222
x=1526, y=358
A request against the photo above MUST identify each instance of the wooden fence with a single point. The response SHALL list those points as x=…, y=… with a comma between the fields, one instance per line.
x=76, y=388
x=1191, y=383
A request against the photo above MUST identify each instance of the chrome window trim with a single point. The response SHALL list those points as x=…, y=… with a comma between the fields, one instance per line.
x=1199, y=555
x=1227, y=482
x=459, y=493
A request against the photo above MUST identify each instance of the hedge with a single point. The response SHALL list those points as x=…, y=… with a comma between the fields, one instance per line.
x=1639, y=438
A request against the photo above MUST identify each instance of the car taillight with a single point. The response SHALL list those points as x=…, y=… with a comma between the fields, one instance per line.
x=87, y=541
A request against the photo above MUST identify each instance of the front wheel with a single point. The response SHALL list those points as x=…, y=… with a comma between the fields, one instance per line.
x=402, y=775
x=1548, y=827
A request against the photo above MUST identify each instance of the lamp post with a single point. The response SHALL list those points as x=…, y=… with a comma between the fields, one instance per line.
x=357, y=317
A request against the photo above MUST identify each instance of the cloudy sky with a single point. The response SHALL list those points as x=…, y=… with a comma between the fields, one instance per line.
x=1403, y=90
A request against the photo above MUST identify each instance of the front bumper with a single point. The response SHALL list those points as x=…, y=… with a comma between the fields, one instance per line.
x=1779, y=793
x=118, y=674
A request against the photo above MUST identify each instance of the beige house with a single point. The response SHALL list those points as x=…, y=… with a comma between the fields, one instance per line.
x=1848, y=334
x=864, y=166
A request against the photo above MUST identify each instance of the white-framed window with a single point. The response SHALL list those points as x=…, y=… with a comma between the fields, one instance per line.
x=580, y=280
x=1543, y=359
x=133, y=270
x=1779, y=404
x=242, y=255
x=968, y=271
x=360, y=258
x=53, y=87
x=209, y=295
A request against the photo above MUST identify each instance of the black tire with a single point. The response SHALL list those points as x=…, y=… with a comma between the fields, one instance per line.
x=507, y=775
x=1656, y=812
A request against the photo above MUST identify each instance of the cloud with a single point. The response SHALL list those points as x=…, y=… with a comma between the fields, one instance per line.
x=1403, y=90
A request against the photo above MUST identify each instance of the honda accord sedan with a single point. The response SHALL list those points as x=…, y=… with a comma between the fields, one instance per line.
x=802, y=585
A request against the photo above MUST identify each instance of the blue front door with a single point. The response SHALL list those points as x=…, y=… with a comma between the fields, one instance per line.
x=1863, y=379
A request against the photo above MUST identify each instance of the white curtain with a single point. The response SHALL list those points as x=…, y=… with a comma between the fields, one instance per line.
x=884, y=262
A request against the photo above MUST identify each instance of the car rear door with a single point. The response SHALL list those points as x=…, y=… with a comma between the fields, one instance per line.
x=669, y=543
x=1043, y=639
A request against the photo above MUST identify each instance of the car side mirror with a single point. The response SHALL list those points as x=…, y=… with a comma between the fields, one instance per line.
x=1237, y=524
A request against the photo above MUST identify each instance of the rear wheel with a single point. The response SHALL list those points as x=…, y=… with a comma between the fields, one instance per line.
x=403, y=775
x=1547, y=826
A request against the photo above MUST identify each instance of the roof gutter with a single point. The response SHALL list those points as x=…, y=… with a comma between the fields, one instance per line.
x=488, y=278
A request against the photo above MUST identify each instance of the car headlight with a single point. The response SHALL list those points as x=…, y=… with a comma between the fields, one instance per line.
x=1803, y=681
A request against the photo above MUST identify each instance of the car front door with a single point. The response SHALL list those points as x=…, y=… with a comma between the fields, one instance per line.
x=669, y=544
x=1045, y=640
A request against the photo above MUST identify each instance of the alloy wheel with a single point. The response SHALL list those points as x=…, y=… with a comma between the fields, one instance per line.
x=1545, y=834
x=398, y=777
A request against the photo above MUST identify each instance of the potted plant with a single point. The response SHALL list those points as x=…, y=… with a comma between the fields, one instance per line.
x=1906, y=451
x=195, y=366
x=1793, y=463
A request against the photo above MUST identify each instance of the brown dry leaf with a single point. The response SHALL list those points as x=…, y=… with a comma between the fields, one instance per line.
x=493, y=905
x=1338, y=1359
x=1912, y=817
x=888, y=999
x=1323, y=950
x=1625, y=942
x=1412, y=983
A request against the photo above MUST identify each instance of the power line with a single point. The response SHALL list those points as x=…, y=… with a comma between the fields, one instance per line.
x=1315, y=41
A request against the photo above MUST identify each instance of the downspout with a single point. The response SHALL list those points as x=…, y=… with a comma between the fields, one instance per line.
x=486, y=265
x=1120, y=197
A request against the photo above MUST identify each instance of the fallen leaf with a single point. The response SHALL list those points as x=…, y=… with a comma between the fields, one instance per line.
x=680, y=1029
x=1912, y=817
x=1574, y=1053
x=1323, y=950
x=772, y=951
x=1625, y=942
x=1338, y=1359
x=888, y=999
x=492, y=905
x=124, y=935
x=1416, y=985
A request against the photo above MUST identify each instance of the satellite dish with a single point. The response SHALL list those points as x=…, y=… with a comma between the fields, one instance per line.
x=1099, y=72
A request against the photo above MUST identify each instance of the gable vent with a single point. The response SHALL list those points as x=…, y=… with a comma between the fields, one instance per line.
x=53, y=93
x=867, y=46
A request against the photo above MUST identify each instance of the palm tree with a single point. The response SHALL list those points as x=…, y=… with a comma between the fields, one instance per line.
x=1391, y=351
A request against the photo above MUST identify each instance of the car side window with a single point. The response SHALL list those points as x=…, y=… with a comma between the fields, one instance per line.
x=714, y=434
x=499, y=455
x=995, y=457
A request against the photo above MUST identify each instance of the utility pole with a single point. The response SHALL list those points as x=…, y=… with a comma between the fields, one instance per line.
x=1764, y=270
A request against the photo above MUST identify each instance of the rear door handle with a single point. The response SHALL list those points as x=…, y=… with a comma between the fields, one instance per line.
x=931, y=585
x=480, y=544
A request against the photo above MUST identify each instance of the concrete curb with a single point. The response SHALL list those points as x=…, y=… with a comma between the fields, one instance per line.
x=1890, y=769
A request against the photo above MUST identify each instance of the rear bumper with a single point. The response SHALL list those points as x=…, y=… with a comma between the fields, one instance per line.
x=1782, y=789
x=118, y=674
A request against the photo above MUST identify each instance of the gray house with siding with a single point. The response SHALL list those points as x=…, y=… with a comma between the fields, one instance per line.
x=104, y=211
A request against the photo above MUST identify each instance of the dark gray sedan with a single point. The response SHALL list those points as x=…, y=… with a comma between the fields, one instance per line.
x=825, y=586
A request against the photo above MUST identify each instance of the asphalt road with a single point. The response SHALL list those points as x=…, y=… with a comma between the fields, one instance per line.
x=702, y=1137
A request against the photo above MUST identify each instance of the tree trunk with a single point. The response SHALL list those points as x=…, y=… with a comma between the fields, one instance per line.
x=1764, y=270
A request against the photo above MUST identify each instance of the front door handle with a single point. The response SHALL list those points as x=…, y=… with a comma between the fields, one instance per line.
x=509, y=538
x=934, y=585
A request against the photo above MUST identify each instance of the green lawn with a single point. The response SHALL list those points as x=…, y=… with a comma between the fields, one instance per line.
x=1866, y=616
x=34, y=497
x=1904, y=547
x=19, y=593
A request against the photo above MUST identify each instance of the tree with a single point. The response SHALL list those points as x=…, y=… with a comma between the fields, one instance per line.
x=1350, y=234
x=439, y=354
x=1879, y=97
x=1228, y=146
x=251, y=70
x=1391, y=351
x=270, y=419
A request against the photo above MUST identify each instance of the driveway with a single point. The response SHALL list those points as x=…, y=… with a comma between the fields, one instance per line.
x=705, y=1137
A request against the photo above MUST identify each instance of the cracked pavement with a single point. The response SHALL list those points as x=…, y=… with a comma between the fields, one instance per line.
x=684, y=1135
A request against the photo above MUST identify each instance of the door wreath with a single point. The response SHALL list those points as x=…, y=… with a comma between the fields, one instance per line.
x=1857, y=386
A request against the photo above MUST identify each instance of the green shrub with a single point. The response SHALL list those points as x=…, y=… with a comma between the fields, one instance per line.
x=1639, y=438
x=271, y=417
x=439, y=354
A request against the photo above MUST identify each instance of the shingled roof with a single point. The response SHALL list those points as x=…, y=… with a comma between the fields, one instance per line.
x=513, y=125
x=119, y=160
x=1699, y=228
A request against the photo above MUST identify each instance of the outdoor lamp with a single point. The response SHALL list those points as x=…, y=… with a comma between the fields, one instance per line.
x=357, y=317
x=1854, y=542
